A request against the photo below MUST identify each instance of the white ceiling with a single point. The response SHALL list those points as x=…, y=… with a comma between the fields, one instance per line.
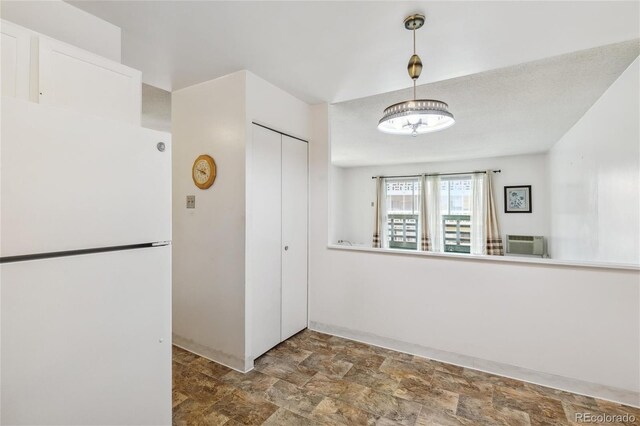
x=335, y=51
x=516, y=110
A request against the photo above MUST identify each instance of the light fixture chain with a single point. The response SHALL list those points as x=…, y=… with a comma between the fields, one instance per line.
x=414, y=41
x=414, y=52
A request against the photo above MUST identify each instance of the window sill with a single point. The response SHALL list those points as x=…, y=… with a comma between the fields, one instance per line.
x=499, y=259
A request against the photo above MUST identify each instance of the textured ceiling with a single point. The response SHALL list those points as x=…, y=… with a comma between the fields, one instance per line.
x=515, y=110
x=340, y=50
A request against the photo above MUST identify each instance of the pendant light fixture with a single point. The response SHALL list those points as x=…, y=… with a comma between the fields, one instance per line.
x=416, y=116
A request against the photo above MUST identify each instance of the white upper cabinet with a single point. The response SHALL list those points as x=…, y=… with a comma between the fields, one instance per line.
x=15, y=50
x=74, y=78
x=38, y=68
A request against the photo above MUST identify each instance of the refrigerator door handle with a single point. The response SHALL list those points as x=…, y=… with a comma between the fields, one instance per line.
x=77, y=252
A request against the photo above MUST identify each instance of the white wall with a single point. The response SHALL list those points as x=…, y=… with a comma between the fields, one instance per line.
x=208, y=241
x=578, y=325
x=64, y=22
x=595, y=179
x=156, y=108
x=273, y=107
x=211, y=247
x=356, y=213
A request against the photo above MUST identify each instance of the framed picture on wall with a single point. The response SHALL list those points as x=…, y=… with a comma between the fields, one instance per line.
x=517, y=199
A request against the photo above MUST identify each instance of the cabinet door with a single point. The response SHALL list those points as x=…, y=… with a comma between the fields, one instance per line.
x=265, y=242
x=74, y=78
x=15, y=50
x=294, y=236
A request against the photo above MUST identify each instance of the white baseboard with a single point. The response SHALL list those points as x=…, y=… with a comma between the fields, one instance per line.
x=595, y=390
x=233, y=362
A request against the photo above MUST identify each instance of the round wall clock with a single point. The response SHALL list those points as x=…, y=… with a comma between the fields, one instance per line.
x=203, y=171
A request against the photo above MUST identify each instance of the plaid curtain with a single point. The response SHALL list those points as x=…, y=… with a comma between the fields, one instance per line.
x=494, y=239
x=425, y=240
x=377, y=223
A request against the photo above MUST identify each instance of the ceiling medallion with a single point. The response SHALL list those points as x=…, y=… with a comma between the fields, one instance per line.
x=416, y=116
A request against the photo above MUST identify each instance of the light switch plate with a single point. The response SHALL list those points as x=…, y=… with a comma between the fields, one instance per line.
x=191, y=201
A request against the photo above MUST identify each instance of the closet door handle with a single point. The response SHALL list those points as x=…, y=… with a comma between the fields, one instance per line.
x=286, y=248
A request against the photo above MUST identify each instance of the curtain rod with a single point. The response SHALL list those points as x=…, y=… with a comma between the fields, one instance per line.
x=436, y=174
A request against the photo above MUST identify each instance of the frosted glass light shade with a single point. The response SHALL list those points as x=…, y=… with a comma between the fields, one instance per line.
x=416, y=117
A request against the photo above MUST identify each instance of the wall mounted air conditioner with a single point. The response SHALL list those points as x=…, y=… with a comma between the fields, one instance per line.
x=526, y=245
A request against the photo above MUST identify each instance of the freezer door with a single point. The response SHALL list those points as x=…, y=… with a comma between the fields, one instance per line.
x=73, y=181
x=87, y=339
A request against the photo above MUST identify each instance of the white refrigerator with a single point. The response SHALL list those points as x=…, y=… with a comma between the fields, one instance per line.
x=85, y=272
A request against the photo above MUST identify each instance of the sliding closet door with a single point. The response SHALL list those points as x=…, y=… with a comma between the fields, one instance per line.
x=294, y=236
x=265, y=239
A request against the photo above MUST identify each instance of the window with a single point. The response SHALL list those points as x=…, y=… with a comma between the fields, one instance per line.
x=402, y=201
x=451, y=224
x=455, y=210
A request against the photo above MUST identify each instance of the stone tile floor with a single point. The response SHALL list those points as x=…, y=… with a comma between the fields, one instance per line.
x=318, y=379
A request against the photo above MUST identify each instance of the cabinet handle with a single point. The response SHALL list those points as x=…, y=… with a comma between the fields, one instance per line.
x=286, y=248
